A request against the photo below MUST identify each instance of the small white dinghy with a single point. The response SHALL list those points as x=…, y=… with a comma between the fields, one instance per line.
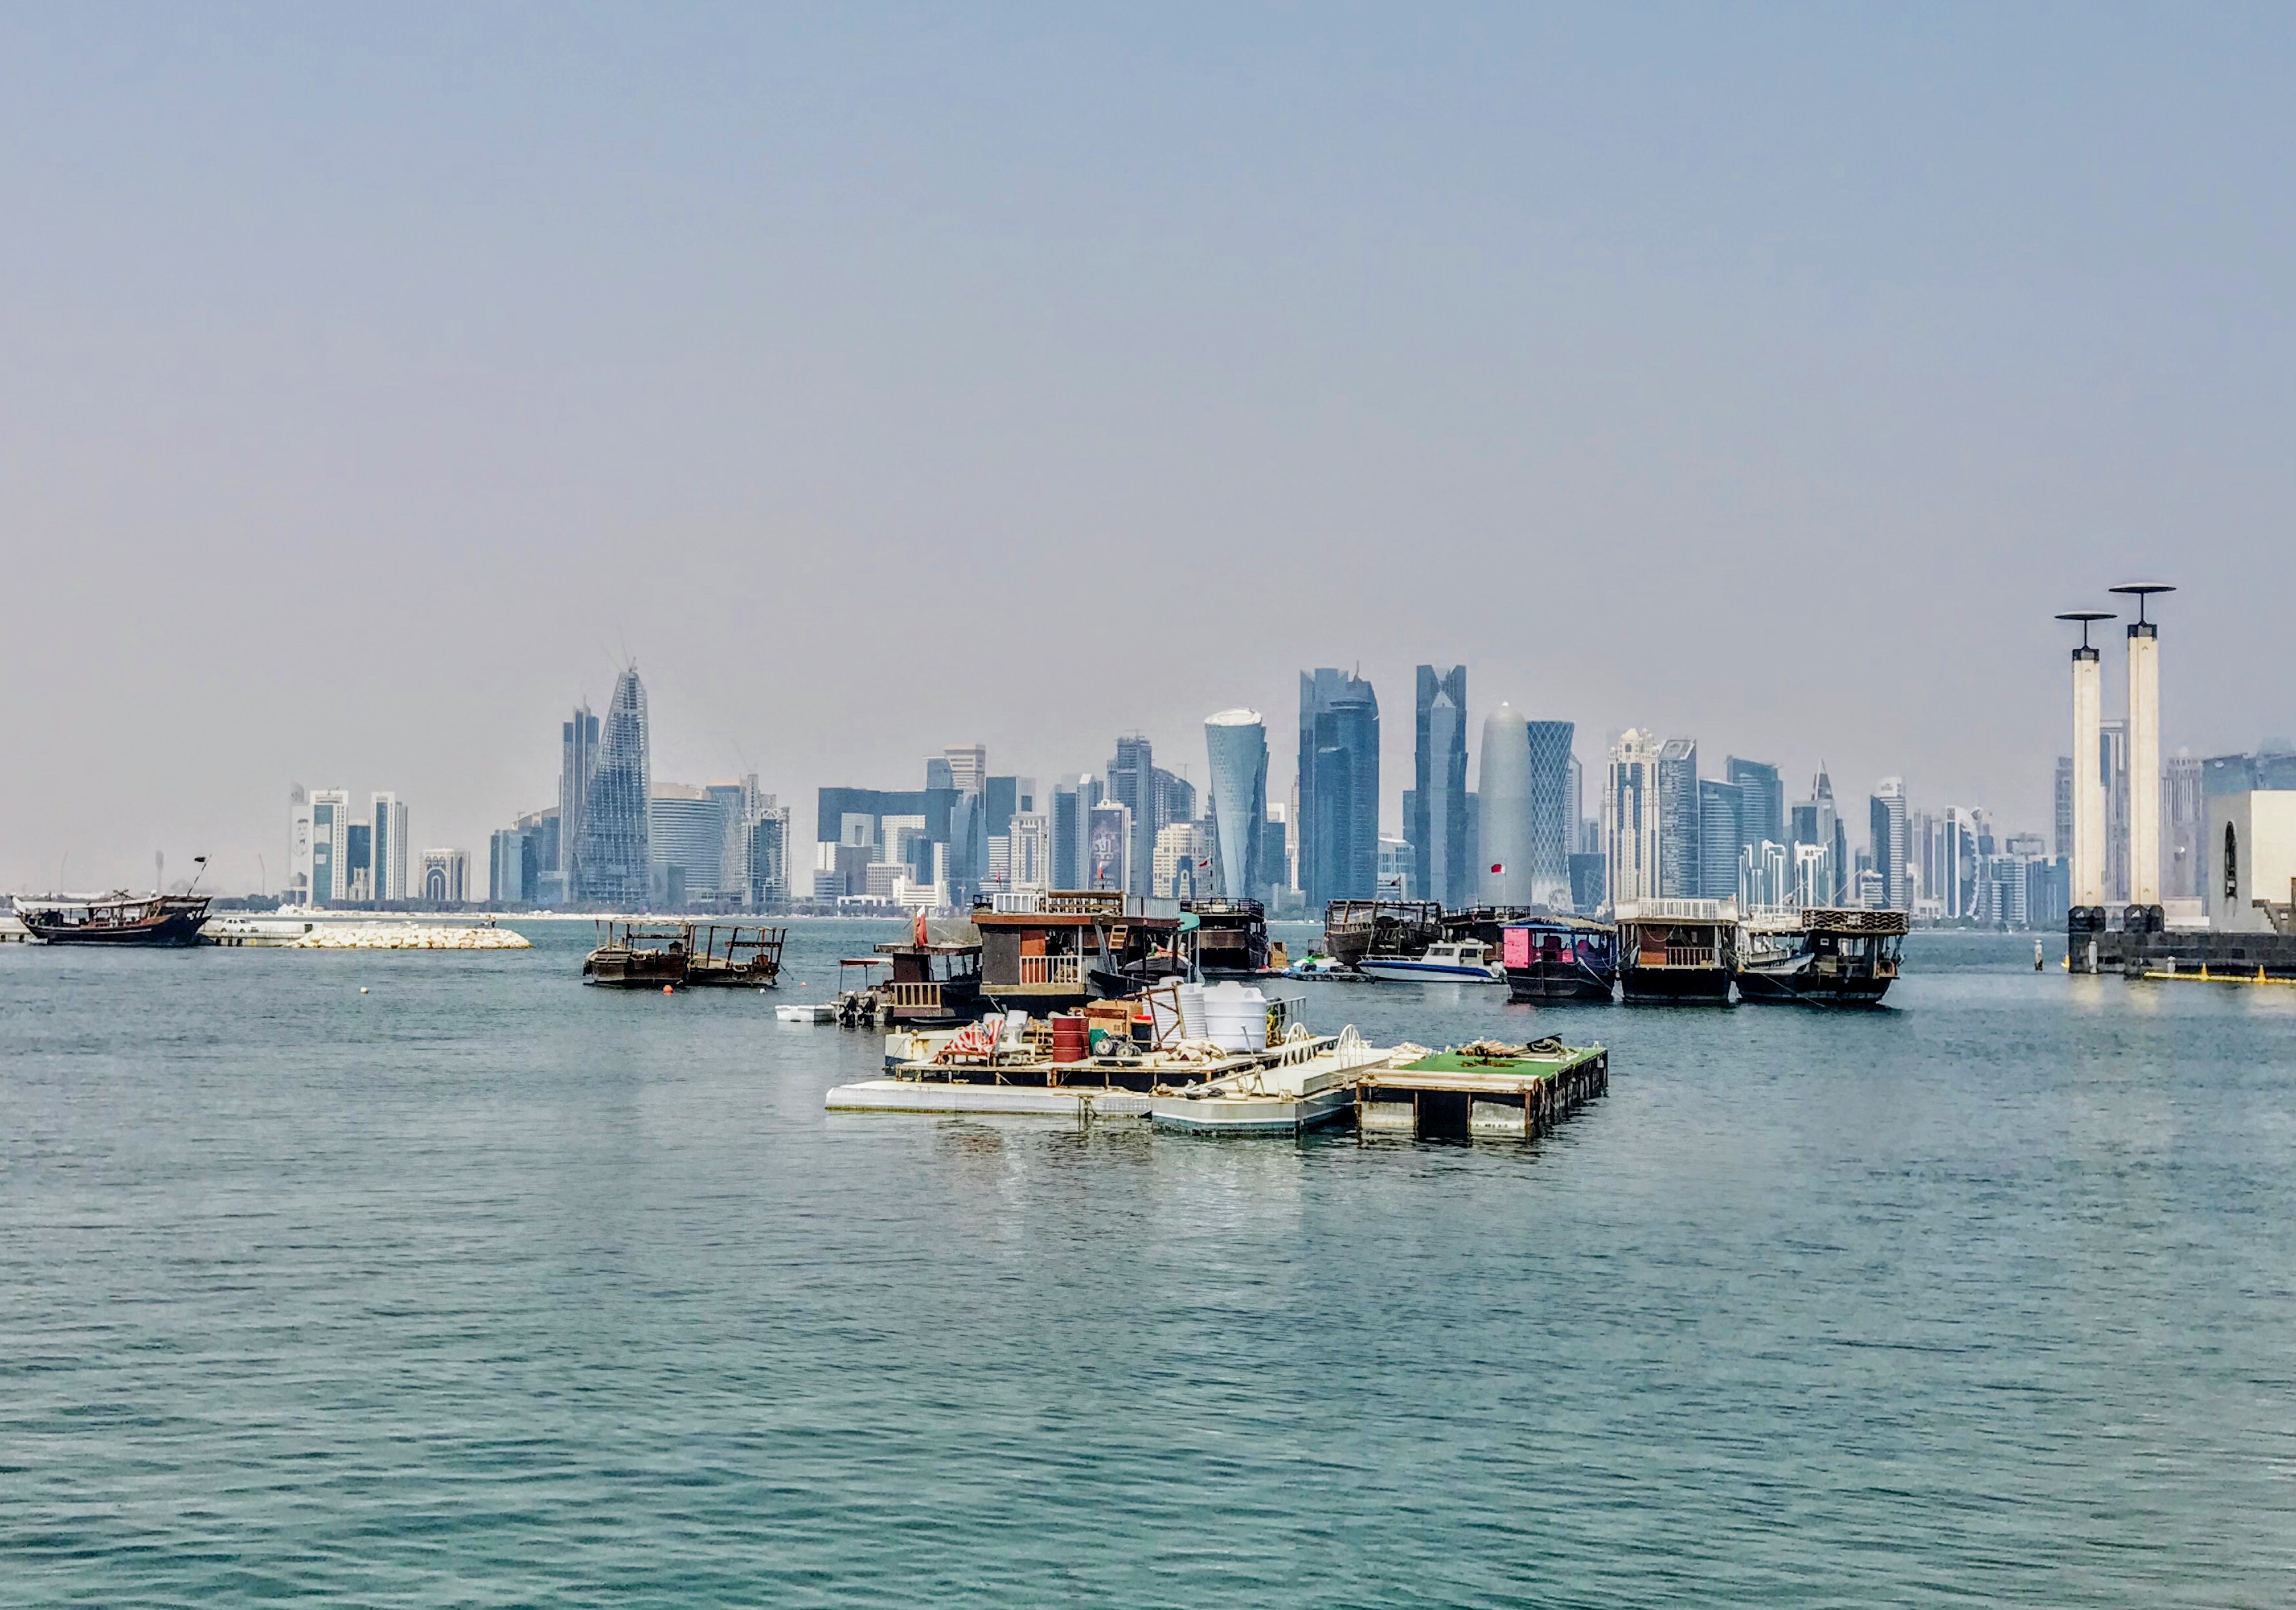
x=805, y=1014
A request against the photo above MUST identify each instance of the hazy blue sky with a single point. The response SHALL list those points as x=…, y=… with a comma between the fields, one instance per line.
x=371, y=381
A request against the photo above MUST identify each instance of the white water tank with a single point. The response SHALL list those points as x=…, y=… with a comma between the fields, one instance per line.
x=1235, y=1017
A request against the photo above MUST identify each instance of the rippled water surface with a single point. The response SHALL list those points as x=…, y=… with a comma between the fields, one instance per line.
x=482, y=1287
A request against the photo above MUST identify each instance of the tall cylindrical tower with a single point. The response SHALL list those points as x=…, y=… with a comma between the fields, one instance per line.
x=1505, y=801
x=2087, y=869
x=2143, y=758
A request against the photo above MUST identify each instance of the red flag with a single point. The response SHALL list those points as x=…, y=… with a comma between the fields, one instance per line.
x=1499, y=868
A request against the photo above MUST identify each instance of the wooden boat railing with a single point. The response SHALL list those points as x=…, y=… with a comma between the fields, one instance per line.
x=1052, y=969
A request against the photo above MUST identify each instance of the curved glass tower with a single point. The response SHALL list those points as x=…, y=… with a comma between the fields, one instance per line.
x=1236, y=743
x=1549, y=858
x=614, y=863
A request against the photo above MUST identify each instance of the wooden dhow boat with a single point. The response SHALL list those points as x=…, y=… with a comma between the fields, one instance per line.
x=118, y=919
x=1823, y=956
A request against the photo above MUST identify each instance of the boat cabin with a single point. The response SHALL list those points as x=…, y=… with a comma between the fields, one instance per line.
x=1678, y=949
x=1071, y=946
x=1560, y=959
x=1231, y=936
x=935, y=975
x=1355, y=928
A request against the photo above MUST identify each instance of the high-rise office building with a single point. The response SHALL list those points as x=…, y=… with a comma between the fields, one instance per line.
x=1630, y=819
x=1073, y=800
x=1183, y=869
x=1678, y=843
x=1721, y=838
x=359, y=864
x=1820, y=878
x=1437, y=821
x=2112, y=766
x=2063, y=840
x=1504, y=791
x=1764, y=798
x=1339, y=786
x=508, y=852
x=615, y=865
x=1108, y=857
x=968, y=766
x=1886, y=817
x=390, y=842
x=331, y=845
x=686, y=833
x=1551, y=812
x=1028, y=839
x=577, y=760
x=1235, y=747
x=771, y=880
x=1132, y=784
x=297, y=891
x=1762, y=807
x=2184, y=817
x=1275, y=854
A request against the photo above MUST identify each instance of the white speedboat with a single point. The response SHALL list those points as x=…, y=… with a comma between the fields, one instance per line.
x=1466, y=962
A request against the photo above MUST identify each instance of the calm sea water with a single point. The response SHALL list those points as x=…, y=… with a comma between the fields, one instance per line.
x=482, y=1287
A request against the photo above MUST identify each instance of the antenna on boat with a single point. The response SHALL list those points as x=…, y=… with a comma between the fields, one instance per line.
x=200, y=862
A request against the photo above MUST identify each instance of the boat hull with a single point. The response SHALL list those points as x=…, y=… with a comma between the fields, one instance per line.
x=633, y=969
x=1398, y=970
x=1536, y=984
x=1704, y=986
x=1806, y=986
x=171, y=930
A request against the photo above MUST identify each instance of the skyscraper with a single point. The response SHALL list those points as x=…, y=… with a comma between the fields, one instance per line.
x=1551, y=812
x=577, y=759
x=1436, y=825
x=2113, y=771
x=389, y=844
x=968, y=766
x=1630, y=819
x=1762, y=806
x=1132, y=784
x=298, y=889
x=1339, y=786
x=1108, y=862
x=1721, y=838
x=615, y=865
x=2184, y=817
x=331, y=841
x=1887, y=821
x=1505, y=852
x=2062, y=843
x=1678, y=877
x=1071, y=831
x=1236, y=745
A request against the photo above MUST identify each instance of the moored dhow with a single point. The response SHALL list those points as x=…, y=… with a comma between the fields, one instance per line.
x=1560, y=959
x=118, y=919
x=673, y=956
x=1823, y=956
x=1678, y=949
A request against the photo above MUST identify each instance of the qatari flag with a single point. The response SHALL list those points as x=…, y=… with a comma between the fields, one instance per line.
x=1498, y=869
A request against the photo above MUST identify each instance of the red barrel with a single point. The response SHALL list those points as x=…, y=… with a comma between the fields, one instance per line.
x=1068, y=1041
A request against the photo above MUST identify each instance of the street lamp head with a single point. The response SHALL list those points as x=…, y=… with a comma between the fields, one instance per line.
x=2141, y=591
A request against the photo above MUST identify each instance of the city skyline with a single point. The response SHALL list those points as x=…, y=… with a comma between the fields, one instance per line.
x=1574, y=356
